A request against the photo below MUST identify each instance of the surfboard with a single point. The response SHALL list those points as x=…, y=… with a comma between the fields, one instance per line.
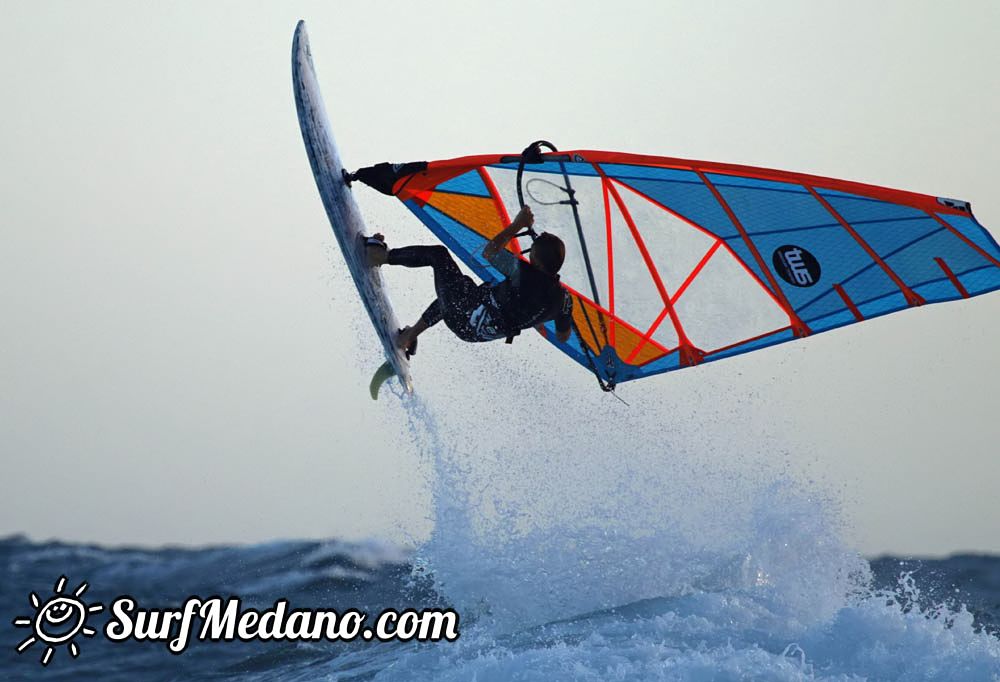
x=342, y=211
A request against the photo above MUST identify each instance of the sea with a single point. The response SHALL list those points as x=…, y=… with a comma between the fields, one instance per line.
x=913, y=620
x=693, y=573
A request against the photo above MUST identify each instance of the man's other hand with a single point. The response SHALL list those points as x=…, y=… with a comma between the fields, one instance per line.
x=524, y=218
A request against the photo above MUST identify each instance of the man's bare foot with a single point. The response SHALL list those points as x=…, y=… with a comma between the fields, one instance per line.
x=376, y=252
x=406, y=341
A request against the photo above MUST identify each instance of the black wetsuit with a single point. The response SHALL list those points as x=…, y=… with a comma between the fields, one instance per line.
x=527, y=296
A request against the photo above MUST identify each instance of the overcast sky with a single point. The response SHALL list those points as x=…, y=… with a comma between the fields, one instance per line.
x=183, y=359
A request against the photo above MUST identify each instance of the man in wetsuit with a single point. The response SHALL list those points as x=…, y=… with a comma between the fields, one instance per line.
x=529, y=295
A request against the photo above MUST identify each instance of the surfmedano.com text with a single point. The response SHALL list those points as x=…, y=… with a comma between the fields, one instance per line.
x=216, y=619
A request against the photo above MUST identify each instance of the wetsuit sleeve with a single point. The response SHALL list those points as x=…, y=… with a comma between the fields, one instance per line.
x=508, y=264
x=564, y=317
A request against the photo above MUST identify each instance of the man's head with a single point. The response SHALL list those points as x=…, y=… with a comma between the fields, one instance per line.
x=548, y=252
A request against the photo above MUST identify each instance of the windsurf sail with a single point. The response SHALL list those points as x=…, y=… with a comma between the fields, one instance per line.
x=672, y=263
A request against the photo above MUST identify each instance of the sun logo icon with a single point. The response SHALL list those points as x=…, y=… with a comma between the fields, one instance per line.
x=58, y=620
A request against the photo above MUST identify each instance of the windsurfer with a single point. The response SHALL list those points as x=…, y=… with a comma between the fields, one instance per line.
x=528, y=296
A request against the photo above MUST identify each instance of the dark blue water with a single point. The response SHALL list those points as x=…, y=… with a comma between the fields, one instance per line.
x=710, y=634
x=308, y=574
x=969, y=579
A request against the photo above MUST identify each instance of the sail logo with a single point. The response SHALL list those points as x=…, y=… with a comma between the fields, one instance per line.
x=796, y=266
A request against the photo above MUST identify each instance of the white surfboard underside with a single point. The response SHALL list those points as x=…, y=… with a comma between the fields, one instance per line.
x=341, y=209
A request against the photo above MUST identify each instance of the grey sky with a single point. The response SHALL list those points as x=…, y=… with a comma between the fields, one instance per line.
x=182, y=359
